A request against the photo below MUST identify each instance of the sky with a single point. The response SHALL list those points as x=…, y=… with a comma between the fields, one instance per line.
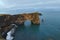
x=27, y=4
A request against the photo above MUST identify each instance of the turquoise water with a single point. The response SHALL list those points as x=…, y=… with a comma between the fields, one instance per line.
x=47, y=30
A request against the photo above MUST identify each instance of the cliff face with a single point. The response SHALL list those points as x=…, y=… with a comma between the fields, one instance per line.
x=6, y=20
x=21, y=18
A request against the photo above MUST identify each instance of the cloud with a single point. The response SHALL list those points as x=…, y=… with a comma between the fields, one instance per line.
x=26, y=4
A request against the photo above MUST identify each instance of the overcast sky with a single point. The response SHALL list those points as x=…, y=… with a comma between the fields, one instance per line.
x=26, y=4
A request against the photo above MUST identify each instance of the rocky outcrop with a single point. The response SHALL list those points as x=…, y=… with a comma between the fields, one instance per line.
x=6, y=20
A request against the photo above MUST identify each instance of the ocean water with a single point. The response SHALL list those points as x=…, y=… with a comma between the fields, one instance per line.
x=49, y=29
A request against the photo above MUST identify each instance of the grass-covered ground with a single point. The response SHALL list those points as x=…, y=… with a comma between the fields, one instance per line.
x=1, y=38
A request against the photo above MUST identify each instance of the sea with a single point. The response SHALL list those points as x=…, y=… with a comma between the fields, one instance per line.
x=49, y=28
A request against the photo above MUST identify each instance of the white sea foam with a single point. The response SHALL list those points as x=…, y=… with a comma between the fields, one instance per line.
x=9, y=34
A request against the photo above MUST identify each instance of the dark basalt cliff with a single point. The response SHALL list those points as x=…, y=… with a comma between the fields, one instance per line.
x=6, y=20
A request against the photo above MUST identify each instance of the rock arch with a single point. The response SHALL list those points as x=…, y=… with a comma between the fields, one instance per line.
x=6, y=20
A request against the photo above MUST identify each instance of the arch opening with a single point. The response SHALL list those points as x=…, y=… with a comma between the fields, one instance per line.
x=27, y=23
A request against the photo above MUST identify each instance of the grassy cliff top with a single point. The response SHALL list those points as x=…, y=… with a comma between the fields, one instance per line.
x=22, y=13
x=4, y=14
